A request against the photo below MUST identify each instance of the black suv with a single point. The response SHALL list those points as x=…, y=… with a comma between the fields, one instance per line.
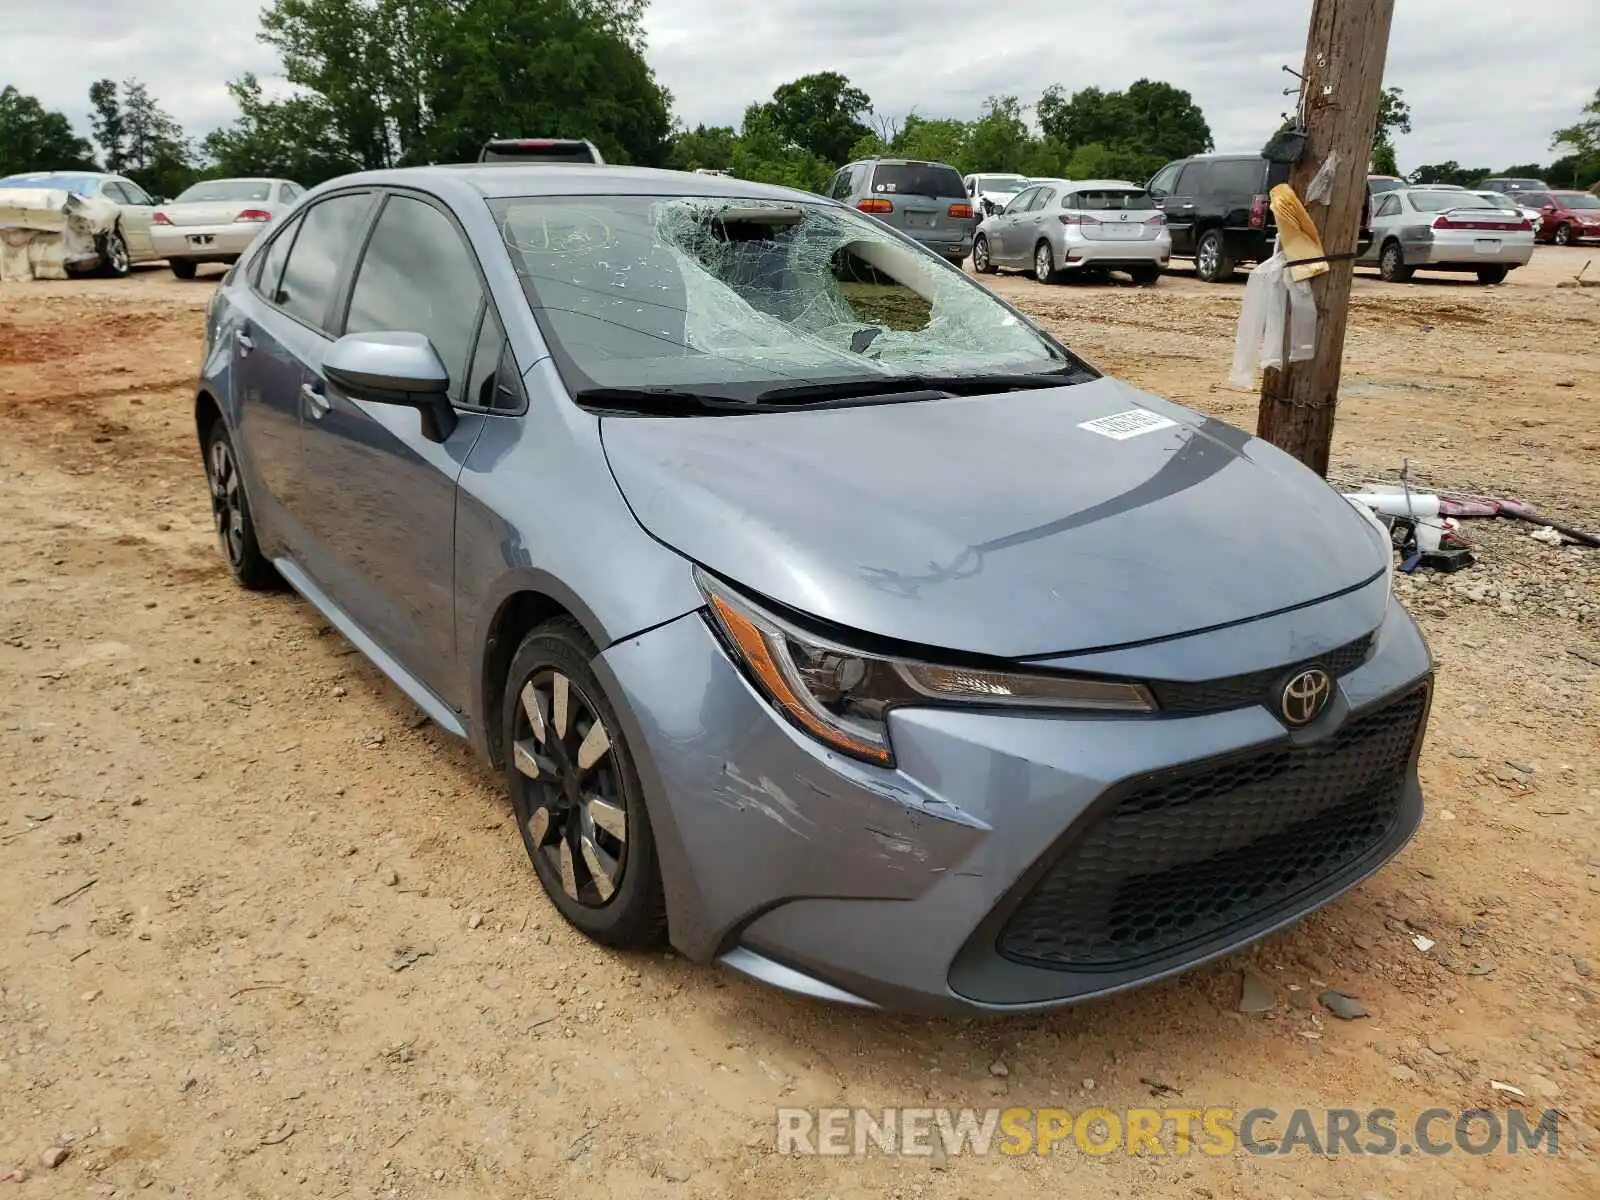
x=1217, y=210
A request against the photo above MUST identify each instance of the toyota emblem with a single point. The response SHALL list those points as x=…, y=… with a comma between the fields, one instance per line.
x=1305, y=696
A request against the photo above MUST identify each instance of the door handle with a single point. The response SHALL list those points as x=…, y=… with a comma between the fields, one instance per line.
x=315, y=401
x=245, y=344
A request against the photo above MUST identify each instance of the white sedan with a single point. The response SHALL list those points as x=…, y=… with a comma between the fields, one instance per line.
x=1446, y=230
x=216, y=220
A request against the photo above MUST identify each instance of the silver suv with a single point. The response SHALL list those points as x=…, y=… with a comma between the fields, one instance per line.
x=924, y=200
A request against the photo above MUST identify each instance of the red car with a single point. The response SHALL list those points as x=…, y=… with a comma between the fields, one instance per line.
x=1569, y=217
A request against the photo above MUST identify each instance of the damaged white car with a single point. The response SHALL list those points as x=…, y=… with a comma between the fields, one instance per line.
x=54, y=223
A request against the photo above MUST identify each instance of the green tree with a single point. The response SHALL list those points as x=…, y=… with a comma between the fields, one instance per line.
x=107, y=124
x=820, y=114
x=999, y=139
x=940, y=140
x=1394, y=116
x=709, y=146
x=34, y=139
x=1583, y=139
x=286, y=139
x=416, y=81
x=1449, y=171
x=766, y=154
x=1149, y=123
x=157, y=155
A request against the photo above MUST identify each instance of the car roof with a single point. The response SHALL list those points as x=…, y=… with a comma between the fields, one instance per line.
x=1105, y=183
x=59, y=174
x=495, y=181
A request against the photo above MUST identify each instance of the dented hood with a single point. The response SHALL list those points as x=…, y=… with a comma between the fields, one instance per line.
x=997, y=525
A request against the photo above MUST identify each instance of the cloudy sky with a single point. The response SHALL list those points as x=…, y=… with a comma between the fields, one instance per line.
x=1487, y=80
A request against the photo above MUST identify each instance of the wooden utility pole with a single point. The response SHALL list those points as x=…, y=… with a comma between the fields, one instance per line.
x=1343, y=77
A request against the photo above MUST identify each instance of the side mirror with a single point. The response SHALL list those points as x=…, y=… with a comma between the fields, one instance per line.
x=397, y=368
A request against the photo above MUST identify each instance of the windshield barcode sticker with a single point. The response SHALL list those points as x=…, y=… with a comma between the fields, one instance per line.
x=1123, y=425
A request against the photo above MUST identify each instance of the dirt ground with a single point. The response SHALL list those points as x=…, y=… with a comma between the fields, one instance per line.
x=264, y=932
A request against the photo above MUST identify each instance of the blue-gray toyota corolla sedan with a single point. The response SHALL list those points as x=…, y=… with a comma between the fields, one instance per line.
x=825, y=615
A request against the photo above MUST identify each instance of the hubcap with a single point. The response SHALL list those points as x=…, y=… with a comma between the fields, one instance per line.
x=1041, y=264
x=226, y=507
x=117, y=252
x=577, y=819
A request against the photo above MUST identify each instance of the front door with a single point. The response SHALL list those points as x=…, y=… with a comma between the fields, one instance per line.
x=381, y=496
x=1175, y=189
x=1006, y=232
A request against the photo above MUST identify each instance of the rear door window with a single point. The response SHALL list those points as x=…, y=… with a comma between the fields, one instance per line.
x=917, y=179
x=328, y=231
x=1236, y=177
x=1192, y=181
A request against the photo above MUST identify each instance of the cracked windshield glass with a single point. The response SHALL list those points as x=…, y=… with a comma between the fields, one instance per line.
x=738, y=296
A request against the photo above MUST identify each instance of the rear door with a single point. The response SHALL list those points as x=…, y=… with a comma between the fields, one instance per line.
x=923, y=200
x=1007, y=227
x=380, y=496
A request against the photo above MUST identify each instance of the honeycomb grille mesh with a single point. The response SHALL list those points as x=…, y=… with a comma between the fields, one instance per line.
x=1194, y=854
x=1240, y=691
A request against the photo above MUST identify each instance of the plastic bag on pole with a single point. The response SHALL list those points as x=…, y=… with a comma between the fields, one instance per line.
x=1270, y=298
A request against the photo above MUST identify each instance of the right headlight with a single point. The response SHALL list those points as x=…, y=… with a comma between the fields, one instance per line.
x=842, y=696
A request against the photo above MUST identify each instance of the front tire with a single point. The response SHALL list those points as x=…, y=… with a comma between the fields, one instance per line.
x=1392, y=265
x=183, y=268
x=578, y=800
x=230, y=512
x=114, y=260
x=1212, y=262
x=1044, y=263
x=1490, y=275
x=981, y=262
x=1563, y=234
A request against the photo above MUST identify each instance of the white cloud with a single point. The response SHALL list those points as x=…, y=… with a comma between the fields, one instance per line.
x=1486, y=82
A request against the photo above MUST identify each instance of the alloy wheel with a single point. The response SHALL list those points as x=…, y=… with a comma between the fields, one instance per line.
x=227, y=509
x=577, y=819
x=980, y=255
x=1043, y=266
x=1209, y=258
x=117, y=253
x=1563, y=235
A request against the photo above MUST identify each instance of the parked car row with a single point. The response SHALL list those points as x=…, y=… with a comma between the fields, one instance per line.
x=213, y=221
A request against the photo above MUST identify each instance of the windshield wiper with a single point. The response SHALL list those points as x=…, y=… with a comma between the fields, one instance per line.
x=904, y=387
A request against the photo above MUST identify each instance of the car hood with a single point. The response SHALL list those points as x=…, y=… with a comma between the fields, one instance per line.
x=996, y=525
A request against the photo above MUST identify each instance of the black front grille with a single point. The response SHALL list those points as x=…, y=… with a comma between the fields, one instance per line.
x=1195, y=853
x=1240, y=691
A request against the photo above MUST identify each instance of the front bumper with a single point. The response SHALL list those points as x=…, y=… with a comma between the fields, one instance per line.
x=949, y=884
x=205, y=241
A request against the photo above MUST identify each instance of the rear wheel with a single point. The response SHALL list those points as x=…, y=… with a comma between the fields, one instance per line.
x=1044, y=263
x=1144, y=276
x=183, y=268
x=1212, y=262
x=1492, y=274
x=230, y=511
x=1563, y=234
x=981, y=262
x=114, y=258
x=1392, y=265
x=577, y=796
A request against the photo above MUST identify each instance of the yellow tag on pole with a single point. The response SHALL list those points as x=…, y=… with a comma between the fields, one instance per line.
x=1297, y=234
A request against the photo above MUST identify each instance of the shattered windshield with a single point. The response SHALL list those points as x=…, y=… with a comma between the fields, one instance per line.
x=742, y=295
